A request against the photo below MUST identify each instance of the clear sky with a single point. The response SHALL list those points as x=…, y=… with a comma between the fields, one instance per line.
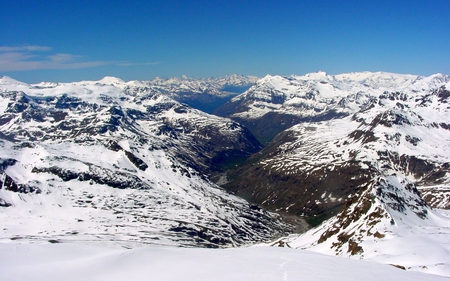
x=64, y=41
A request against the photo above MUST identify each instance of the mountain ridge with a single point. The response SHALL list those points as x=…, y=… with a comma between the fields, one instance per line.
x=358, y=178
x=312, y=97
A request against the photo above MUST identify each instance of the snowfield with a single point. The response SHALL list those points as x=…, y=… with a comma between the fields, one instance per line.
x=415, y=244
x=107, y=261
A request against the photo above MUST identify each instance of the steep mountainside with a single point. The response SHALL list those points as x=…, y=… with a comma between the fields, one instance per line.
x=379, y=228
x=114, y=160
x=313, y=168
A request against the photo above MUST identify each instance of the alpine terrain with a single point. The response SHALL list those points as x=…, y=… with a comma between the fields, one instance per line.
x=106, y=159
x=370, y=152
x=362, y=160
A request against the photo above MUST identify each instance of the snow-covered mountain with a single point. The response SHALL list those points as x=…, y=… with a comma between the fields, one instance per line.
x=116, y=160
x=276, y=103
x=206, y=94
x=400, y=120
x=375, y=166
x=362, y=156
x=371, y=168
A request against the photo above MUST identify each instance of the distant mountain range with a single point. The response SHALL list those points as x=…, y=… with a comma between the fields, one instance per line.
x=204, y=94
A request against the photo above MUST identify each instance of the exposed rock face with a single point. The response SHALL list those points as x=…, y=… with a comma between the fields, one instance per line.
x=380, y=200
x=215, y=143
x=359, y=146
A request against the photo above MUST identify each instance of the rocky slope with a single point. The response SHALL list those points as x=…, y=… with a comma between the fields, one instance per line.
x=386, y=223
x=113, y=160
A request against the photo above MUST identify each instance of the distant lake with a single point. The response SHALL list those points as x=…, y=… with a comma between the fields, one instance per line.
x=236, y=89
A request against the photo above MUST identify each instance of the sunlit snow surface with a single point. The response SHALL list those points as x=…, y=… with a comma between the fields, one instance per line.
x=106, y=261
x=416, y=244
x=315, y=93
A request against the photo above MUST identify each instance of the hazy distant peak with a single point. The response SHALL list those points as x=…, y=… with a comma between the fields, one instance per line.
x=111, y=80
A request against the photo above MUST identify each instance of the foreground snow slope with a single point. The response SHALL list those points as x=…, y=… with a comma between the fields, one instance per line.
x=75, y=261
x=415, y=244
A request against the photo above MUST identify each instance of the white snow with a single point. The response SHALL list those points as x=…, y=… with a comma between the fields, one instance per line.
x=320, y=91
x=108, y=261
x=416, y=244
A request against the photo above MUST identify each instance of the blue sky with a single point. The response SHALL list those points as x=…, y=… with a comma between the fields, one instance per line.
x=65, y=41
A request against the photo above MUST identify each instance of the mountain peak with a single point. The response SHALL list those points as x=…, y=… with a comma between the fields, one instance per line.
x=317, y=74
x=6, y=80
x=110, y=80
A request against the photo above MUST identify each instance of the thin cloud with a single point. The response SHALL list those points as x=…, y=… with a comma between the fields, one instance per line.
x=26, y=48
x=24, y=58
